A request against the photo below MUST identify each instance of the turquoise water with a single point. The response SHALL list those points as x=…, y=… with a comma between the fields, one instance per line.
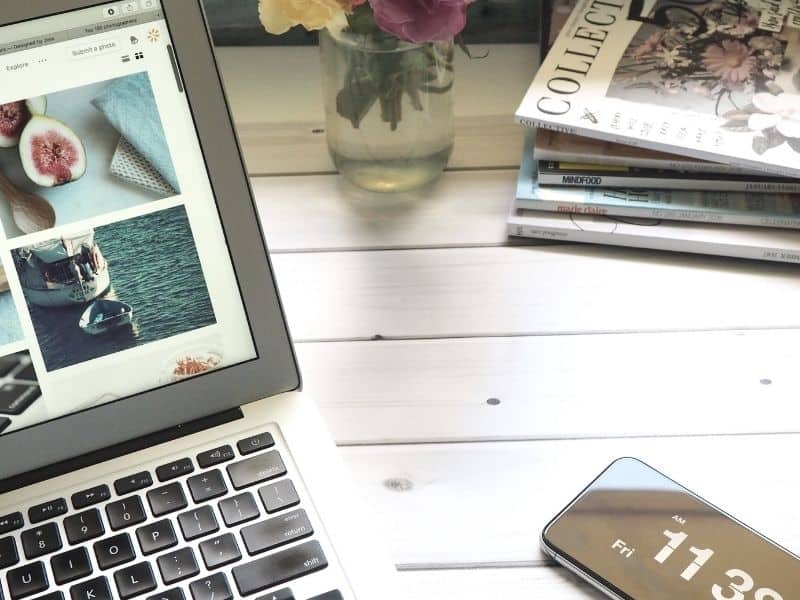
x=10, y=330
x=154, y=267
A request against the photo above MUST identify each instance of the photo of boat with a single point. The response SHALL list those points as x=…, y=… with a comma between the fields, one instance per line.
x=146, y=285
x=104, y=315
x=63, y=272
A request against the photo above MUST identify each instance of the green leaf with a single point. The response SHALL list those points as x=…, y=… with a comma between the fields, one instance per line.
x=774, y=89
x=760, y=145
x=459, y=40
x=771, y=139
x=736, y=125
x=362, y=20
x=357, y=96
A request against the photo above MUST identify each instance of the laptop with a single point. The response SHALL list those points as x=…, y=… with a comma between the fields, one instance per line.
x=154, y=441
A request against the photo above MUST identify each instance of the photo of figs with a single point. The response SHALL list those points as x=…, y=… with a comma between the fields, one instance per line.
x=14, y=116
x=51, y=153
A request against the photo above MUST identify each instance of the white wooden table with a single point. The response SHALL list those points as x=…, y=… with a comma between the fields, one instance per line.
x=475, y=384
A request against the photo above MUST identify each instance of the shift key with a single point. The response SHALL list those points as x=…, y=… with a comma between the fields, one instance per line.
x=257, y=469
x=280, y=567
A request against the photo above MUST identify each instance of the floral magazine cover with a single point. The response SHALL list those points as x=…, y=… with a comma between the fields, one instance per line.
x=717, y=80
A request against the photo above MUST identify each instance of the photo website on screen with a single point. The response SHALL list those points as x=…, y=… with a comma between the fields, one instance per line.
x=115, y=276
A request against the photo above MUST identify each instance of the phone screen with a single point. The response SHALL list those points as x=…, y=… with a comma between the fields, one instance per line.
x=644, y=537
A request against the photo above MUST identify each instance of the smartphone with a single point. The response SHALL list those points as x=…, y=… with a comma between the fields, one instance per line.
x=635, y=534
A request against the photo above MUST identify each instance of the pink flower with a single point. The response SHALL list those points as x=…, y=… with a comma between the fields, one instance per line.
x=421, y=21
x=649, y=46
x=732, y=62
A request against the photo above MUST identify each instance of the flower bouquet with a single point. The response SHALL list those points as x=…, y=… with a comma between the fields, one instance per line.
x=388, y=75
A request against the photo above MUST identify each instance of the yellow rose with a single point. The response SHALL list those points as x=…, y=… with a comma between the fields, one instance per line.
x=278, y=16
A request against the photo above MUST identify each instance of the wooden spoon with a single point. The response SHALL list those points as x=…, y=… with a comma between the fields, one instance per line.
x=31, y=213
x=3, y=281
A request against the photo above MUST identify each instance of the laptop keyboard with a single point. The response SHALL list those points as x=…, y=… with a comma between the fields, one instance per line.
x=19, y=387
x=227, y=524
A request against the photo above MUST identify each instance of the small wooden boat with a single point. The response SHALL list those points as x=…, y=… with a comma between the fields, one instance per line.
x=104, y=315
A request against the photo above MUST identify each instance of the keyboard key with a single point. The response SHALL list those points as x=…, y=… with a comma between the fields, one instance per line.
x=206, y=486
x=156, y=536
x=177, y=566
x=27, y=581
x=11, y=522
x=280, y=567
x=133, y=483
x=71, y=565
x=48, y=510
x=89, y=497
x=135, y=580
x=16, y=397
x=220, y=551
x=9, y=363
x=215, y=456
x=334, y=595
x=94, y=589
x=125, y=513
x=197, y=523
x=4, y=423
x=256, y=469
x=173, y=594
x=282, y=594
x=278, y=531
x=255, y=443
x=238, y=509
x=214, y=587
x=51, y=596
x=84, y=526
x=8, y=553
x=279, y=495
x=174, y=469
x=114, y=551
x=41, y=540
x=167, y=499
x=28, y=373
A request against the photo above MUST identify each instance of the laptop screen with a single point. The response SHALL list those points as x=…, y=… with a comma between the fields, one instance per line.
x=115, y=274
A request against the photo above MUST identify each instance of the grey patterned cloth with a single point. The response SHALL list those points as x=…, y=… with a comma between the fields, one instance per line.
x=130, y=106
x=129, y=165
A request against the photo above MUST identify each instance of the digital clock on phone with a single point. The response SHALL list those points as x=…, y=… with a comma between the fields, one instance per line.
x=636, y=534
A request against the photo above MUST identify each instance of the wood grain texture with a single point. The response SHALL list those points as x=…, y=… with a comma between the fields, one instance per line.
x=554, y=290
x=496, y=584
x=555, y=386
x=325, y=213
x=466, y=505
x=276, y=98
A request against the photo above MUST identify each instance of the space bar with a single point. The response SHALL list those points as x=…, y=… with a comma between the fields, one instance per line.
x=279, y=568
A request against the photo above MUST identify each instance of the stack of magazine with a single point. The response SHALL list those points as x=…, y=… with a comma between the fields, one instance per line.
x=667, y=124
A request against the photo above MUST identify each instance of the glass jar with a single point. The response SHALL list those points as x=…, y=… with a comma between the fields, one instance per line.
x=388, y=108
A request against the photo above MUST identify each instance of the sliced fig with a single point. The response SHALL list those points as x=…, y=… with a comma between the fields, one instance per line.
x=14, y=116
x=52, y=154
x=37, y=106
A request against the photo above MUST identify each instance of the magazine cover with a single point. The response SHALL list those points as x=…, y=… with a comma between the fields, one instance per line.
x=762, y=243
x=754, y=209
x=717, y=80
x=577, y=174
x=563, y=147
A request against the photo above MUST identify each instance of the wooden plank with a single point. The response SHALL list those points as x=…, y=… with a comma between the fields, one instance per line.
x=465, y=208
x=496, y=584
x=555, y=386
x=276, y=98
x=536, y=290
x=485, y=504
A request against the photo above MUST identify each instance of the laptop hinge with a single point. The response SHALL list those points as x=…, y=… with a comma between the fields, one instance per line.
x=117, y=450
